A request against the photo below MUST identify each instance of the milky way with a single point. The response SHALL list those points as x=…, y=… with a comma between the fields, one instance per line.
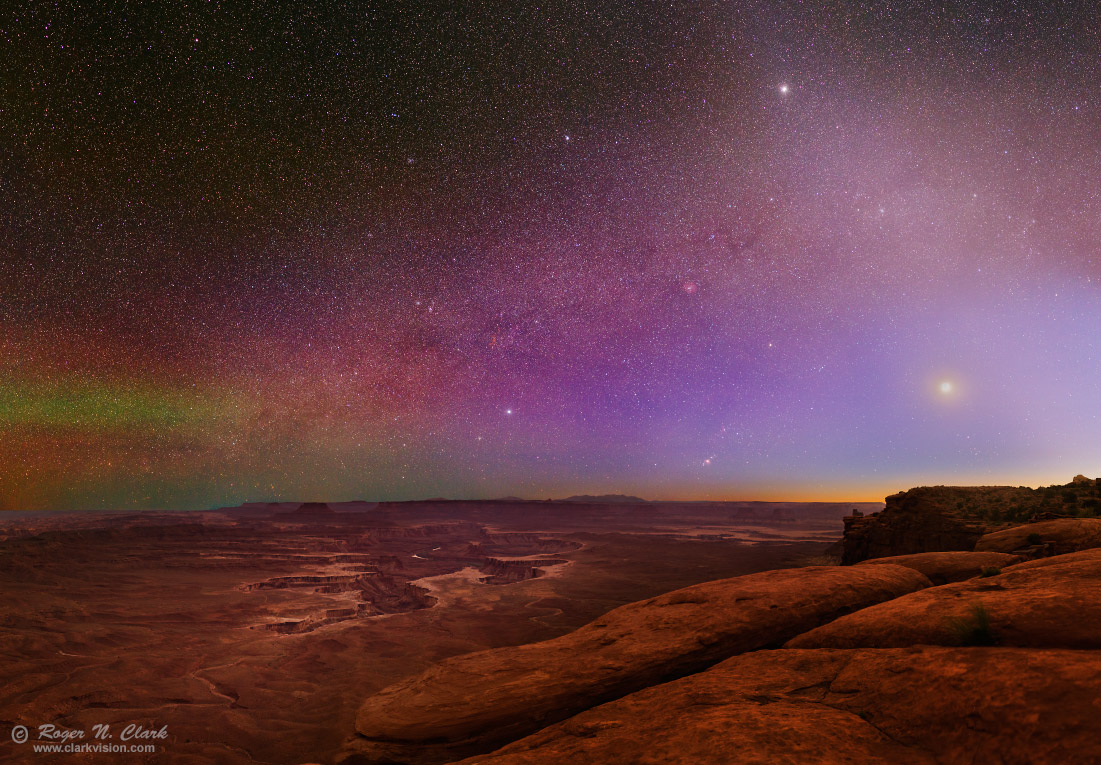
x=719, y=250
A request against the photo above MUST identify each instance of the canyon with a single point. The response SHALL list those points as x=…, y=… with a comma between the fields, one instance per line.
x=256, y=632
x=950, y=624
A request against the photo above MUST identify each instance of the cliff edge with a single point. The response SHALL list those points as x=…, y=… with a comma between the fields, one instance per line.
x=943, y=518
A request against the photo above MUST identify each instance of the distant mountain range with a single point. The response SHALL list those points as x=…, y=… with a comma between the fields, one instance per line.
x=595, y=499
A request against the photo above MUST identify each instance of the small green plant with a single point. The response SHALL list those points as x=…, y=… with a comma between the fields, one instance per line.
x=989, y=571
x=974, y=630
x=1034, y=539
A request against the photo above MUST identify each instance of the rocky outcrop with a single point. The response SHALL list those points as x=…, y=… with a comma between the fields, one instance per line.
x=926, y=519
x=507, y=571
x=1052, y=537
x=945, y=567
x=327, y=583
x=1054, y=606
x=316, y=621
x=941, y=518
x=389, y=596
x=923, y=705
x=472, y=703
x=378, y=594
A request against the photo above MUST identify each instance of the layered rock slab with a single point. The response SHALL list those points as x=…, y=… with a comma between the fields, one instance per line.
x=1093, y=554
x=1060, y=536
x=947, y=567
x=475, y=702
x=1057, y=605
x=916, y=705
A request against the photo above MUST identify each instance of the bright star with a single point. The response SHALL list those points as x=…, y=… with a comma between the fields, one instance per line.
x=784, y=89
x=508, y=411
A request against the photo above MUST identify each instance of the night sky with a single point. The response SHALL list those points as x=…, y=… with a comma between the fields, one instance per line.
x=756, y=250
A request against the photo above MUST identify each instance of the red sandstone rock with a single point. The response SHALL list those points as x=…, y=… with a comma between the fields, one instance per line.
x=477, y=701
x=1057, y=606
x=945, y=567
x=921, y=705
x=1060, y=536
x=1093, y=554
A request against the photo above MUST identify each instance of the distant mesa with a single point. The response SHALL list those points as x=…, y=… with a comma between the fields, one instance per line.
x=263, y=507
x=606, y=499
x=314, y=508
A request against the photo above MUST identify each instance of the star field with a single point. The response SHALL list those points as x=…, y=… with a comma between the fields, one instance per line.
x=768, y=250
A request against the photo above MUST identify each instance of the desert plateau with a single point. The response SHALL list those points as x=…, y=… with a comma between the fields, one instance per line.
x=254, y=633
x=584, y=631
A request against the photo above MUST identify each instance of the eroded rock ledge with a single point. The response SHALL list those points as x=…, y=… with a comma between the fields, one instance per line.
x=988, y=653
x=904, y=705
x=473, y=703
